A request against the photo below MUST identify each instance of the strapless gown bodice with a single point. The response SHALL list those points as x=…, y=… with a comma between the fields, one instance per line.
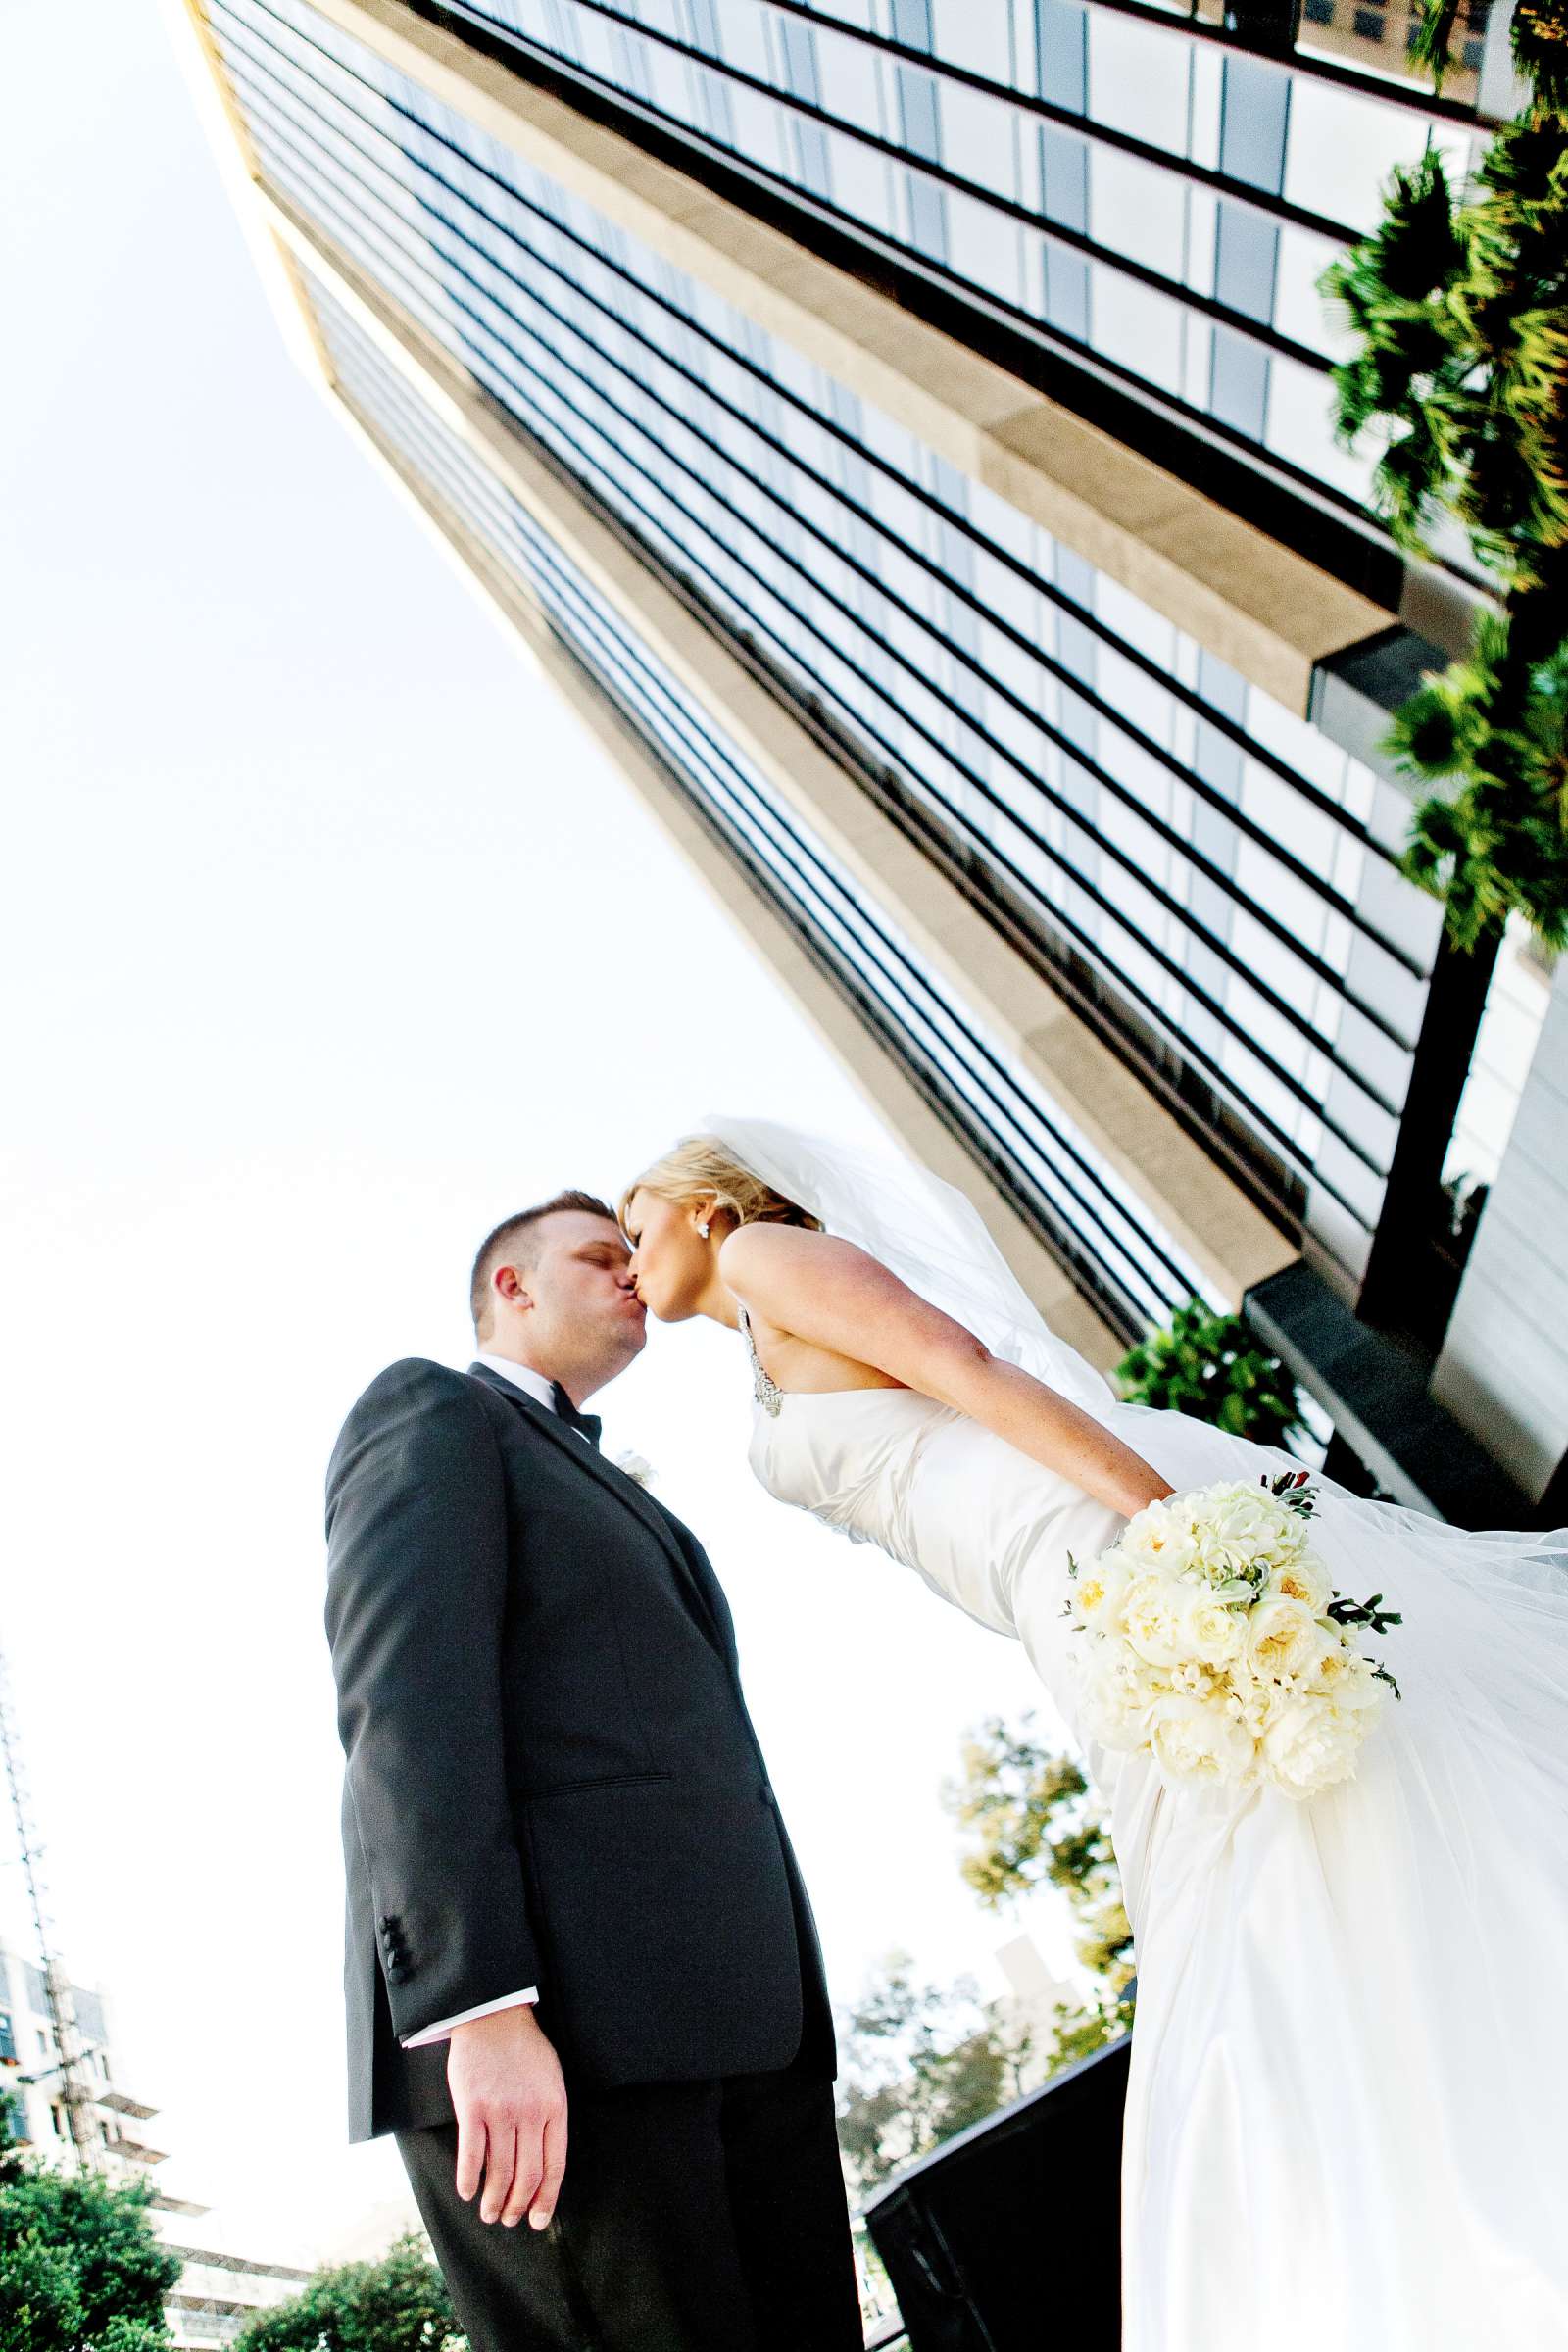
x=973, y=1517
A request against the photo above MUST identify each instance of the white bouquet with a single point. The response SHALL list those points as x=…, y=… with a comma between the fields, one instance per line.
x=1215, y=1640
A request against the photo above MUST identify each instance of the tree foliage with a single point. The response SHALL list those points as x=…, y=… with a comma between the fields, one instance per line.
x=1459, y=302
x=82, y=2269
x=1034, y=1825
x=1210, y=1366
x=1498, y=844
x=399, y=2304
x=920, y=2064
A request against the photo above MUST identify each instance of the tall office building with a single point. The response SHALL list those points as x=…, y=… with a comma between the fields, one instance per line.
x=901, y=428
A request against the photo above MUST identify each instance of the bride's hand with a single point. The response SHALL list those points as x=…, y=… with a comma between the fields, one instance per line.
x=836, y=1298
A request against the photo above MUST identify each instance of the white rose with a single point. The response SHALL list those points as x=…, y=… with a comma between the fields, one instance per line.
x=634, y=1467
x=1212, y=1632
x=1304, y=1579
x=1151, y=1618
x=1098, y=1591
x=1282, y=1638
x=1311, y=1744
x=1197, y=1740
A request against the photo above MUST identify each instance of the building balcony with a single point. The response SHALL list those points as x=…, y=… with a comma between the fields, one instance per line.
x=118, y=2104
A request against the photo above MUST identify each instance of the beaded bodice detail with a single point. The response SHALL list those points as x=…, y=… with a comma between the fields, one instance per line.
x=765, y=1387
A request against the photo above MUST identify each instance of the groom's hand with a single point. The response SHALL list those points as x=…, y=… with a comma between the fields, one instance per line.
x=511, y=2103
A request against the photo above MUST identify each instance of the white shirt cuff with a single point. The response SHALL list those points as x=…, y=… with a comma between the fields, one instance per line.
x=442, y=2030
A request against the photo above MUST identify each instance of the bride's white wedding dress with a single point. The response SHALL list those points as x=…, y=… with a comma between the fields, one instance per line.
x=1347, y=2110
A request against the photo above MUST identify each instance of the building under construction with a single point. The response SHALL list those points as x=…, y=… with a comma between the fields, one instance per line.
x=217, y=2292
x=62, y=2100
x=37, y=2112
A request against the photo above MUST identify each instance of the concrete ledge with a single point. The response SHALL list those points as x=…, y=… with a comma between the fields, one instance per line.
x=1355, y=693
x=1380, y=1402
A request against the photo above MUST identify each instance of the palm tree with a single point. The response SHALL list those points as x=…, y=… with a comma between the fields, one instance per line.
x=1459, y=301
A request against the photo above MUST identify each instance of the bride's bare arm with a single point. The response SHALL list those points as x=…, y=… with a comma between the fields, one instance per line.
x=833, y=1296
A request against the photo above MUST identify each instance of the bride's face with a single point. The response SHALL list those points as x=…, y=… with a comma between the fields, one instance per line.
x=671, y=1265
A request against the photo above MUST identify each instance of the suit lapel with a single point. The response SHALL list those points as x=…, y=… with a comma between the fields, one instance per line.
x=625, y=1489
x=709, y=1592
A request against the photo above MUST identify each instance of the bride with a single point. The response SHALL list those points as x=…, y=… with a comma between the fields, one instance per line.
x=1347, y=2123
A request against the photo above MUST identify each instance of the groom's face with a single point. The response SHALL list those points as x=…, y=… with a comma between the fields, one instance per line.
x=583, y=1314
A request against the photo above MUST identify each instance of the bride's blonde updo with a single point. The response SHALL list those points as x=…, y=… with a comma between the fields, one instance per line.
x=699, y=1168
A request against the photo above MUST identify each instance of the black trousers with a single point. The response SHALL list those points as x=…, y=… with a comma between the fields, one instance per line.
x=695, y=2217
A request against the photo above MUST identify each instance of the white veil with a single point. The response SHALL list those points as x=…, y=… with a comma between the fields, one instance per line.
x=924, y=1231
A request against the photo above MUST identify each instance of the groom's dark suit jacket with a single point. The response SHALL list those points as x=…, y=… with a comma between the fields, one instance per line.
x=552, y=1778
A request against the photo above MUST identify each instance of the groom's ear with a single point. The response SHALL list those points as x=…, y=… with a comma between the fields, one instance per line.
x=507, y=1283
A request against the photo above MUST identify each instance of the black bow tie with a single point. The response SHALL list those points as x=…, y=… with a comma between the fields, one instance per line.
x=587, y=1425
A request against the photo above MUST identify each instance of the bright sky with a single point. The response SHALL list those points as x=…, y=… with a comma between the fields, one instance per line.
x=326, y=938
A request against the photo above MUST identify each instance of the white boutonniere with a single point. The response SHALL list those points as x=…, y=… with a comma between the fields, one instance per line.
x=634, y=1467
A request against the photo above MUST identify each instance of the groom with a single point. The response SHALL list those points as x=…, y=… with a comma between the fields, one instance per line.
x=573, y=1909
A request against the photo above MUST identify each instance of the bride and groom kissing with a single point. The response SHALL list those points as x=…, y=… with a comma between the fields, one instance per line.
x=584, y=1987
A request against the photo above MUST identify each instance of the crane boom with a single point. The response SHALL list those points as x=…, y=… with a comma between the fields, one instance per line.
x=76, y=2094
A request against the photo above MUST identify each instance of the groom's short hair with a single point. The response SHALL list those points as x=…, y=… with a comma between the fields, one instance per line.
x=512, y=1239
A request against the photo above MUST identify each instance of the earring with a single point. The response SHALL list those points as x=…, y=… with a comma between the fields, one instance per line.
x=704, y=1228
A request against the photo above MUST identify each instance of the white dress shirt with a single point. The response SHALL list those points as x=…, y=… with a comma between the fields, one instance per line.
x=532, y=1384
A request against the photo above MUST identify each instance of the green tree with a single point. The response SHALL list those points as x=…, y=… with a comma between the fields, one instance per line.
x=1034, y=1825
x=399, y=2304
x=80, y=2266
x=1080, y=2033
x=920, y=2065
x=1459, y=302
x=1209, y=1365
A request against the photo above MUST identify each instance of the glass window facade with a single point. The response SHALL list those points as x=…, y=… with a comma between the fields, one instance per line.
x=1209, y=877
x=1118, y=1253
x=1212, y=879
x=1097, y=174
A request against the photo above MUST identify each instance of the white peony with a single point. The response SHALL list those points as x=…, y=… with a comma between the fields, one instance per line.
x=1283, y=1638
x=1099, y=1592
x=1341, y=1674
x=1152, y=1610
x=1193, y=1740
x=1119, y=1691
x=1160, y=1538
x=1245, y=1532
x=1312, y=1744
